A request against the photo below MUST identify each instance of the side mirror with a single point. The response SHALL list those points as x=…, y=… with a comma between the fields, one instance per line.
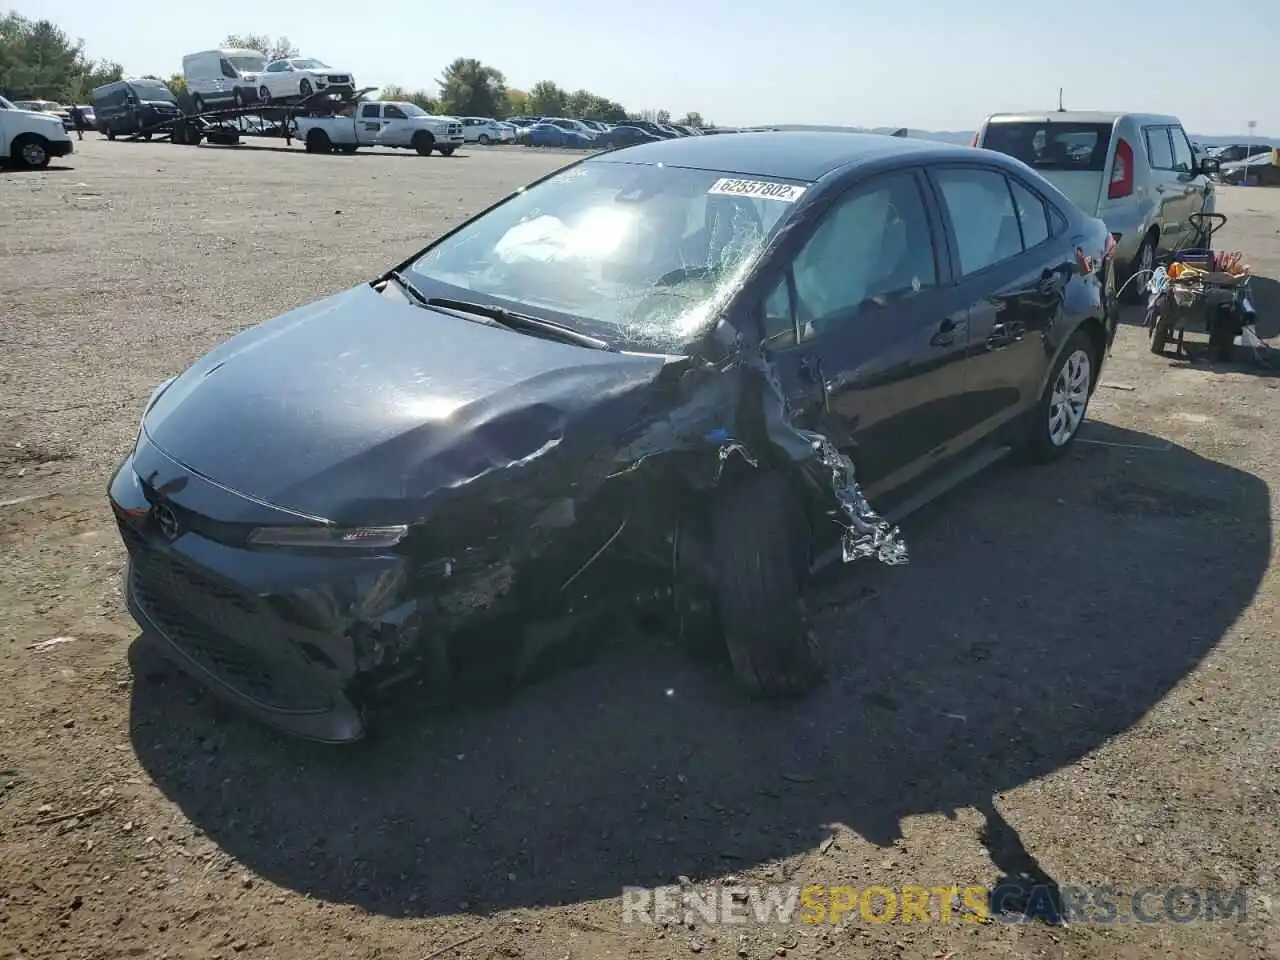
x=1210, y=165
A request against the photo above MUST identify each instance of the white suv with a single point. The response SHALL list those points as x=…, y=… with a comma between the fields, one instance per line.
x=301, y=77
x=484, y=130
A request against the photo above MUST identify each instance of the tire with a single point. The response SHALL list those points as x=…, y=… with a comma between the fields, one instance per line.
x=264, y=94
x=304, y=88
x=760, y=552
x=1136, y=286
x=111, y=134
x=30, y=152
x=1074, y=370
x=484, y=139
x=447, y=151
x=318, y=141
x=197, y=103
x=423, y=142
x=238, y=98
x=1160, y=333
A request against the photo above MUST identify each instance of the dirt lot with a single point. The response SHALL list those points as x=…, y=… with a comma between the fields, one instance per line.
x=1073, y=682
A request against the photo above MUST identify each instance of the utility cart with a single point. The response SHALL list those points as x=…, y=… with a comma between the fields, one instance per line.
x=1202, y=291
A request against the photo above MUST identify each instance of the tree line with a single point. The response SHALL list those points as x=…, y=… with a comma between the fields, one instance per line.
x=39, y=61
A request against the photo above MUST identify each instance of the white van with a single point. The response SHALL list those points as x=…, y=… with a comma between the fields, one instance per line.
x=223, y=78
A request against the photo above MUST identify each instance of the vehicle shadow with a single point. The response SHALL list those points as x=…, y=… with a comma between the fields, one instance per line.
x=1044, y=611
x=52, y=168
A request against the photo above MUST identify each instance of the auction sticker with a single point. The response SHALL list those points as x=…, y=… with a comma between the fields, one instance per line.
x=758, y=189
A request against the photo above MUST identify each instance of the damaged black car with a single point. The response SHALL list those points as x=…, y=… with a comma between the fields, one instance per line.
x=679, y=373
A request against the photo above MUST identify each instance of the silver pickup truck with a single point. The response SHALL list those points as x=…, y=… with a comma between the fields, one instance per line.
x=381, y=123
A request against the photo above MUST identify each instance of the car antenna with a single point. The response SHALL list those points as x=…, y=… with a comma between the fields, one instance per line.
x=1061, y=108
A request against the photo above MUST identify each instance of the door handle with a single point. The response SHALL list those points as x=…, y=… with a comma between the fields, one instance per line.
x=946, y=334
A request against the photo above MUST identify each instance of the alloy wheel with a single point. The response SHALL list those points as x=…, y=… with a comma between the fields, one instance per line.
x=34, y=154
x=1070, y=397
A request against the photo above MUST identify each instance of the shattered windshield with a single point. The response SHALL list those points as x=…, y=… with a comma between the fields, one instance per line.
x=639, y=255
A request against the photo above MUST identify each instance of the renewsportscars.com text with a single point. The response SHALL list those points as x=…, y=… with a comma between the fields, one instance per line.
x=943, y=904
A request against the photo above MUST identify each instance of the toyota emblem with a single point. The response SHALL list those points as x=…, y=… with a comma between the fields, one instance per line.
x=167, y=521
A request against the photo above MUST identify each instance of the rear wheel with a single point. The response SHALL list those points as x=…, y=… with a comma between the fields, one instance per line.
x=198, y=103
x=1056, y=419
x=447, y=151
x=264, y=94
x=318, y=142
x=423, y=142
x=304, y=88
x=760, y=552
x=484, y=139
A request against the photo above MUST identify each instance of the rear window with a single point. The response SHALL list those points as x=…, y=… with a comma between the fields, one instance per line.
x=1051, y=146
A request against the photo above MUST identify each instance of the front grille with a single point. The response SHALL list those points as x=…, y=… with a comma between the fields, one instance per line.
x=230, y=633
x=455, y=128
x=339, y=78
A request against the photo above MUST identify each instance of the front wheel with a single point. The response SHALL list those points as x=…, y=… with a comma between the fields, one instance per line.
x=484, y=139
x=304, y=89
x=31, y=152
x=760, y=554
x=1056, y=419
x=1144, y=264
x=423, y=142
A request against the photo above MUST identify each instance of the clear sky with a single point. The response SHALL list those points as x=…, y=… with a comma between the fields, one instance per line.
x=926, y=64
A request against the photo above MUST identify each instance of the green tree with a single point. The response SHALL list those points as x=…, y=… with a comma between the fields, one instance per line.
x=468, y=88
x=662, y=116
x=693, y=119
x=547, y=99
x=517, y=103
x=39, y=61
x=277, y=49
x=177, y=83
x=417, y=97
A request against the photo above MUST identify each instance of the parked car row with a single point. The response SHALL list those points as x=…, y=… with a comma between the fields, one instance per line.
x=584, y=133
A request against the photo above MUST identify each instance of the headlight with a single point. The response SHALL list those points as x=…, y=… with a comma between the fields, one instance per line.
x=329, y=537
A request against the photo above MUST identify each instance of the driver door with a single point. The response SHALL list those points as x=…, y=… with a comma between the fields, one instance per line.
x=395, y=127
x=870, y=337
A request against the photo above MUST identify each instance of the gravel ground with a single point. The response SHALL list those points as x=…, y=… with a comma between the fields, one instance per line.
x=1073, y=682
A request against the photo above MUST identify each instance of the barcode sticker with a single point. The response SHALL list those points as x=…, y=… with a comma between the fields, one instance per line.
x=758, y=189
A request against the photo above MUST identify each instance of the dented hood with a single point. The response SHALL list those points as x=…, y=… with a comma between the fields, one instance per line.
x=362, y=400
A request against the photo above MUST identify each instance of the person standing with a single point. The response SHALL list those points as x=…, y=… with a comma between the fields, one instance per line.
x=77, y=118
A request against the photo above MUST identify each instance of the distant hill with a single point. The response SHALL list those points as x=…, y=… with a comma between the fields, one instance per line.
x=965, y=137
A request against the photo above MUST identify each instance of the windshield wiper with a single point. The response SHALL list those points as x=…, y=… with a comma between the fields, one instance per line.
x=516, y=321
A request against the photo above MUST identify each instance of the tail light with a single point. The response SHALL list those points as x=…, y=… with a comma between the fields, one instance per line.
x=1121, y=172
x=1111, y=245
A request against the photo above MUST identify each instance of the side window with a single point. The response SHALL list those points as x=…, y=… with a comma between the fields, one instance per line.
x=1032, y=214
x=1159, y=148
x=369, y=111
x=779, y=318
x=1183, y=158
x=228, y=70
x=982, y=216
x=391, y=112
x=874, y=247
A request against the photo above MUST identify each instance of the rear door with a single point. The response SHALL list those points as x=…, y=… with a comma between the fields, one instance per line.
x=869, y=337
x=369, y=123
x=1167, y=186
x=1012, y=266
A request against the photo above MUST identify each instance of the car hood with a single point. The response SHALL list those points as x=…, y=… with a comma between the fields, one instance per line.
x=362, y=402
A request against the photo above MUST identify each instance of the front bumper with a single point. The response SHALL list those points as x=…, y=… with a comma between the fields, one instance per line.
x=291, y=639
x=60, y=148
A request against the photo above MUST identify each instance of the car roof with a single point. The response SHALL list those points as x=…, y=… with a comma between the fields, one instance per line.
x=790, y=155
x=1079, y=116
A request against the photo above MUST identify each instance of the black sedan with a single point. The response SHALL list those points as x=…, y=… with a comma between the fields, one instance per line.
x=625, y=135
x=678, y=373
